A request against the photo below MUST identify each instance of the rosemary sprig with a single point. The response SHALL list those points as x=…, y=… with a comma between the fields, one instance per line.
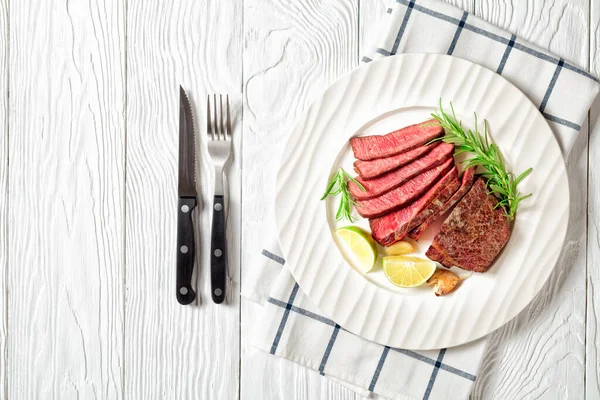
x=339, y=185
x=486, y=155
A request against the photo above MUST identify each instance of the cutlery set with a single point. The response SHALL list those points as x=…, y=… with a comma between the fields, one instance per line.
x=219, y=148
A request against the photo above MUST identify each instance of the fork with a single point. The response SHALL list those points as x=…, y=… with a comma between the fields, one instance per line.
x=219, y=148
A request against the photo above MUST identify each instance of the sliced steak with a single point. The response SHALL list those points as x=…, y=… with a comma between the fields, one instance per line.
x=473, y=234
x=374, y=168
x=385, y=183
x=467, y=181
x=395, y=226
x=379, y=146
x=403, y=194
x=438, y=202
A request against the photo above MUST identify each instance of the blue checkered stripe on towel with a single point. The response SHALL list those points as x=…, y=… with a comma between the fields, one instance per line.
x=294, y=304
x=561, y=90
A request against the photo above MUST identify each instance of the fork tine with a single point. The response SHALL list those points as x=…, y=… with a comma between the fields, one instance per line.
x=221, y=117
x=216, y=120
x=209, y=128
x=228, y=119
x=217, y=135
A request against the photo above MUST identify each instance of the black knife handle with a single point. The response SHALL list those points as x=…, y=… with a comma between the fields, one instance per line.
x=218, y=251
x=186, y=250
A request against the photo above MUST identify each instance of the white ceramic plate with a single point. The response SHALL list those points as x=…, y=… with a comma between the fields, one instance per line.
x=383, y=96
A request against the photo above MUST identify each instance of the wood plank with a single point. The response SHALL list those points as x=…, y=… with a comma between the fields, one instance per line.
x=293, y=51
x=592, y=381
x=371, y=16
x=288, y=61
x=4, y=44
x=541, y=353
x=175, y=351
x=66, y=199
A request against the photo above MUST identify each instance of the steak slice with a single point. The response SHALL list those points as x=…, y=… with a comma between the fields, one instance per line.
x=467, y=181
x=379, y=146
x=395, y=226
x=373, y=168
x=391, y=180
x=437, y=202
x=473, y=234
x=404, y=194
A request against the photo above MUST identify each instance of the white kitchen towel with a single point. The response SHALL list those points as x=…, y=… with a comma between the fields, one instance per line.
x=293, y=328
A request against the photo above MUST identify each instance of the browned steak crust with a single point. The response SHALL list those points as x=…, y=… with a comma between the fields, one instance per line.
x=473, y=234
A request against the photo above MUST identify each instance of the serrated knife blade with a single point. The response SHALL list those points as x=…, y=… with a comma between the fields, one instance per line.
x=186, y=245
x=187, y=147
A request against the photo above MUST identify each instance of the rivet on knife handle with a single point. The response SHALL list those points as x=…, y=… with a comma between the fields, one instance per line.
x=185, y=250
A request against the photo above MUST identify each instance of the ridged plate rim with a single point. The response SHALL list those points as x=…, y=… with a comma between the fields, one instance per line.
x=339, y=291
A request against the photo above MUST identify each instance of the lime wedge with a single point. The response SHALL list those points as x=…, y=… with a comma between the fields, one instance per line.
x=407, y=271
x=361, y=245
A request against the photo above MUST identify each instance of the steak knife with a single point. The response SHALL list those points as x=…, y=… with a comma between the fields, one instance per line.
x=186, y=248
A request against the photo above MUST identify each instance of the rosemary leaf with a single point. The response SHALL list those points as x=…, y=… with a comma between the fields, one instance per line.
x=487, y=155
x=339, y=185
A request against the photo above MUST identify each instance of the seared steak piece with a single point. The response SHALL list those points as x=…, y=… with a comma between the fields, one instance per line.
x=379, y=146
x=468, y=178
x=474, y=232
x=433, y=254
x=395, y=226
x=437, y=202
x=404, y=194
x=373, y=168
x=385, y=183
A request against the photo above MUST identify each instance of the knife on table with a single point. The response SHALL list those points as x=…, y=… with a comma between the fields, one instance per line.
x=186, y=248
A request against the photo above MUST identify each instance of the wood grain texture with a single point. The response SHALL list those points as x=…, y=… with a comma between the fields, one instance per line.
x=175, y=351
x=4, y=172
x=541, y=353
x=592, y=375
x=65, y=240
x=371, y=15
x=293, y=51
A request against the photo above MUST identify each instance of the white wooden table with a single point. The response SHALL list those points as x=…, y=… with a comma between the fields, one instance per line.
x=88, y=151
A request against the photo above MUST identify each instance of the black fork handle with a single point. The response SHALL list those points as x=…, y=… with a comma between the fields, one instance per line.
x=218, y=251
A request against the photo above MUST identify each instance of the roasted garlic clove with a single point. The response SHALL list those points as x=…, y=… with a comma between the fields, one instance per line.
x=399, y=248
x=443, y=281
